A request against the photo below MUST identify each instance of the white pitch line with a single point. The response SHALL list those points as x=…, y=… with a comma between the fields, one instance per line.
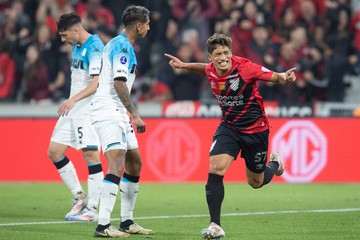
x=197, y=215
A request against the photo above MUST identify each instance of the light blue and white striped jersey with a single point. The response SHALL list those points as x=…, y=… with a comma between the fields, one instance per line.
x=85, y=62
x=118, y=60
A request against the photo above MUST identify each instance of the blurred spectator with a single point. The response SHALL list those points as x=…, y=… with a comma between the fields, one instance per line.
x=191, y=37
x=49, y=50
x=101, y=14
x=36, y=78
x=4, y=4
x=336, y=57
x=184, y=85
x=241, y=33
x=225, y=8
x=261, y=49
x=355, y=26
x=47, y=13
x=60, y=87
x=7, y=74
x=296, y=93
x=16, y=13
x=195, y=14
x=308, y=17
x=105, y=33
x=156, y=91
x=286, y=23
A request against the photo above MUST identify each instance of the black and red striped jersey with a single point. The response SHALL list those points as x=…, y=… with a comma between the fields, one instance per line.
x=238, y=95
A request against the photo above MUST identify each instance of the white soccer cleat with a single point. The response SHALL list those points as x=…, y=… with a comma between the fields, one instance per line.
x=275, y=157
x=85, y=215
x=214, y=231
x=79, y=204
x=111, y=232
x=137, y=229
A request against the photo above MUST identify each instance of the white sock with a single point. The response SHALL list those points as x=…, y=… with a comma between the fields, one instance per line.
x=108, y=195
x=70, y=178
x=128, y=192
x=94, y=187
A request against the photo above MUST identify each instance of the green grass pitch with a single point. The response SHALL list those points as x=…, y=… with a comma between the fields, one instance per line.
x=178, y=211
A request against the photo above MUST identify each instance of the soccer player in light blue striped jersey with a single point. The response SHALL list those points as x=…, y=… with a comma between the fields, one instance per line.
x=73, y=128
x=113, y=115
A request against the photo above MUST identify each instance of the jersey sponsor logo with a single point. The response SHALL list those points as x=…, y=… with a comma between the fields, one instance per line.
x=235, y=85
x=229, y=101
x=78, y=64
x=303, y=147
x=123, y=60
x=124, y=50
x=173, y=151
x=122, y=71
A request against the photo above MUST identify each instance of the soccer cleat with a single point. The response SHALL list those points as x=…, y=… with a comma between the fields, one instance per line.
x=111, y=232
x=137, y=229
x=214, y=231
x=85, y=215
x=79, y=204
x=275, y=157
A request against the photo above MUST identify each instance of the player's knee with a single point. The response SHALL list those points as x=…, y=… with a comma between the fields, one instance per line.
x=255, y=183
x=217, y=169
x=91, y=157
x=53, y=155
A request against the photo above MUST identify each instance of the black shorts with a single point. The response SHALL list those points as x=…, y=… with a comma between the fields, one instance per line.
x=253, y=147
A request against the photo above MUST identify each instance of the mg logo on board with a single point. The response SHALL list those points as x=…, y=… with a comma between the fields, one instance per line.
x=303, y=147
x=173, y=151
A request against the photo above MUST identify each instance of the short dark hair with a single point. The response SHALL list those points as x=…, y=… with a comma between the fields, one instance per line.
x=133, y=14
x=67, y=20
x=217, y=39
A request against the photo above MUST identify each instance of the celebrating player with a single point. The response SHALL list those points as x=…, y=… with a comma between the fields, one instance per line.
x=244, y=126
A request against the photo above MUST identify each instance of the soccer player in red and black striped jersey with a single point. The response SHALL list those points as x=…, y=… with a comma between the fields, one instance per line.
x=244, y=127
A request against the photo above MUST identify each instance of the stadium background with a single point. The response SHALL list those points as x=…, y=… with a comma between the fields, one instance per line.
x=315, y=125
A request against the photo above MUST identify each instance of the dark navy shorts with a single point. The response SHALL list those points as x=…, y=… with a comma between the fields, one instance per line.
x=253, y=147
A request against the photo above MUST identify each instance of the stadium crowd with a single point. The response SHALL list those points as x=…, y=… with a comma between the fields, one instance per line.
x=321, y=38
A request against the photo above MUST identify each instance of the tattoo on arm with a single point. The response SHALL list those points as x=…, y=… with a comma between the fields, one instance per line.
x=123, y=93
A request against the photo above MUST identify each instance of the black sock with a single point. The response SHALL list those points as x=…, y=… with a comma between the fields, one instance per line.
x=126, y=224
x=96, y=168
x=214, y=196
x=102, y=227
x=270, y=170
x=133, y=179
x=112, y=178
x=61, y=163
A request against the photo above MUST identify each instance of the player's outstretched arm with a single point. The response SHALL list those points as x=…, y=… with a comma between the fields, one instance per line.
x=175, y=62
x=68, y=104
x=284, y=77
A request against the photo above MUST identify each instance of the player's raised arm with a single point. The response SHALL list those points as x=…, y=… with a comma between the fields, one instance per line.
x=175, y=62
x=284, y=77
